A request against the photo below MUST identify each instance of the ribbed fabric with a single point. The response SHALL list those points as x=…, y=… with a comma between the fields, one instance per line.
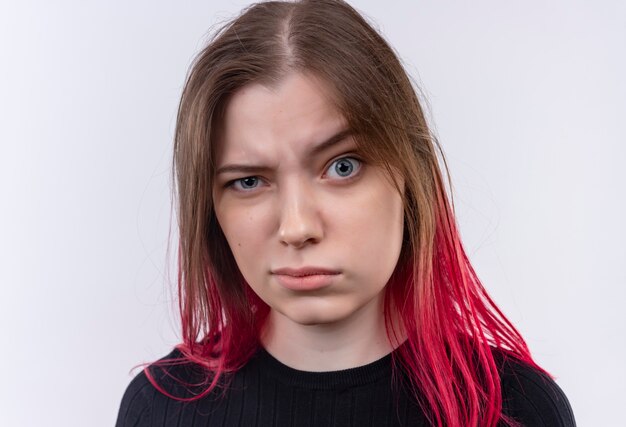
x=268, y=393
x=354, y=377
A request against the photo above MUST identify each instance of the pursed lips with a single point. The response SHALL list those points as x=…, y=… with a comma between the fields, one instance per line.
x=305, y=271
x=305, y=278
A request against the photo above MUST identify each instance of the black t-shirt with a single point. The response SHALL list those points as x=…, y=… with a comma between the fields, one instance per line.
x=266, y=392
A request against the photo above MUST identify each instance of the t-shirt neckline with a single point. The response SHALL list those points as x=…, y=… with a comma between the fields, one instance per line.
x=344, y=378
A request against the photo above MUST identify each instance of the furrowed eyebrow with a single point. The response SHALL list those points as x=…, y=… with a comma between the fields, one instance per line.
x=333, y=140
x=315, y=150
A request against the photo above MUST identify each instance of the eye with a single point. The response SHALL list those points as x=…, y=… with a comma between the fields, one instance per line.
x=345, y=167
x=244, y=184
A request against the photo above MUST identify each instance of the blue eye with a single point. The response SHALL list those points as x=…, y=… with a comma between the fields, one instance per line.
x=345, y=166
x=247, y=183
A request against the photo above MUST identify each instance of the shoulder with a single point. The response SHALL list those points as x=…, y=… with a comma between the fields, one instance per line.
x=139, y=398
x=532, y=397
x=135, y=405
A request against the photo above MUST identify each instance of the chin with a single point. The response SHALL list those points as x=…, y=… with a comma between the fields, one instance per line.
x=309, y=314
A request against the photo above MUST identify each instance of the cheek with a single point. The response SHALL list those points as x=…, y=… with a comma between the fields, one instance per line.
x=244, y=229
x=372, y=231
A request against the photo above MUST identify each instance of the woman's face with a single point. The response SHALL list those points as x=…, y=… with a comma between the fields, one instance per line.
x=286, y=200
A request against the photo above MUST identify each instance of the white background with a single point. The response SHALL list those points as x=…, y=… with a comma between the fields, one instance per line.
x=529, y=103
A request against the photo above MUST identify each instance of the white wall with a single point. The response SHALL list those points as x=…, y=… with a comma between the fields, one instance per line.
x=528, y=101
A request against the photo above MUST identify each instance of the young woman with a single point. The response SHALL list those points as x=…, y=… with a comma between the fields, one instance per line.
x=322, y=280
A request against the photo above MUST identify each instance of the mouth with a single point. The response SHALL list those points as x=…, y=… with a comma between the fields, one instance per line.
x=305, y=271
x=305, y=278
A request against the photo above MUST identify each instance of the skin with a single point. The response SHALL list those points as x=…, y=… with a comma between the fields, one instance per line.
x=306, y=210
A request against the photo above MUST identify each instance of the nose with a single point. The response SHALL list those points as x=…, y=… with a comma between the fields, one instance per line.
x=300, y=222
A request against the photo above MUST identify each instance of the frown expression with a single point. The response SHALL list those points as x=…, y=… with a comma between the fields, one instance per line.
x=297, y=203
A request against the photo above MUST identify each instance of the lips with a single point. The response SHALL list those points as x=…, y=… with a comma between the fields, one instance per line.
x=305, y=278
x=304, y=271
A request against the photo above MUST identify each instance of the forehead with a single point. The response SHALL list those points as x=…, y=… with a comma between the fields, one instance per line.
x=296, y=112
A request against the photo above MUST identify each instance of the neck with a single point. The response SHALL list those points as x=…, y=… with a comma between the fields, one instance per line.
x=348, y=343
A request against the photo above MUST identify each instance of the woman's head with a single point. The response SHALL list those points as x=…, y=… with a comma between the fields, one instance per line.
x=326, y=50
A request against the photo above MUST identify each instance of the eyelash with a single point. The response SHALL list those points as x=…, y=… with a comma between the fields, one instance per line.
x=231, y=184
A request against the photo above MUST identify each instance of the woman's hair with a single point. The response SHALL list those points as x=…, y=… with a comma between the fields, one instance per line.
x=451, y=324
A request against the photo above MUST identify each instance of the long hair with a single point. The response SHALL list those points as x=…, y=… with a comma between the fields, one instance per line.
x=452, y=326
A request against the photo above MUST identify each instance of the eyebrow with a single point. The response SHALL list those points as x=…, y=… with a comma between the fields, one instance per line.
x=313, y=151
